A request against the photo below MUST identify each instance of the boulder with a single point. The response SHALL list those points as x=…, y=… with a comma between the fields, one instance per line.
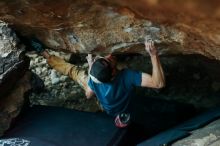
x=14, y=78
x=119, y=26
x=13, y=64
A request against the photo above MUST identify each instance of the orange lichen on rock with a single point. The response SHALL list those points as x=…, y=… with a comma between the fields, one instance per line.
x=185, y=27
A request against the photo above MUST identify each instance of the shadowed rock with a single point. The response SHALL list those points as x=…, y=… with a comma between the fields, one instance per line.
x=12, y=104
x=12, y=65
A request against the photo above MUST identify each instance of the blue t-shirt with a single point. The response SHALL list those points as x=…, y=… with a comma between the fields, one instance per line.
x=114, y=96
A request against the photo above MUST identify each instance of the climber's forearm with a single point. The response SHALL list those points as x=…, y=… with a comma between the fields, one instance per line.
x=157, y=73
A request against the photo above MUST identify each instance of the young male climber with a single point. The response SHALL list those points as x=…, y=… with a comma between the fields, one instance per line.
x=113, y=88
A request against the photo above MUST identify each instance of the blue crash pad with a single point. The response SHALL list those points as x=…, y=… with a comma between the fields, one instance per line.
x=182, y=130
x=53, y=126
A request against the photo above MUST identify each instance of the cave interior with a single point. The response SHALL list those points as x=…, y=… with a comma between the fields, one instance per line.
x=41, y=106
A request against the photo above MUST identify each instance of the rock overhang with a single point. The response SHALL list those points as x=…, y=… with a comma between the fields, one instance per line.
x=102, y=27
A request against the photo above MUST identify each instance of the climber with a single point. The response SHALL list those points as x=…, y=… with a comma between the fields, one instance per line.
x=112, y=87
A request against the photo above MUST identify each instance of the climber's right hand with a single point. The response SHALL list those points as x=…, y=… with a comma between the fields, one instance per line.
x=150, y=48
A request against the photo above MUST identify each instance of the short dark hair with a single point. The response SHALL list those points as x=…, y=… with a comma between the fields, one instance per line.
x=101, y=71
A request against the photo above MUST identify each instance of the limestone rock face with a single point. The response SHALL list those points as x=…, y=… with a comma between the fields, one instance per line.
x=101, y=27
x=12, y=65
x=58, y=90
x=13, y=83
x=8, y=40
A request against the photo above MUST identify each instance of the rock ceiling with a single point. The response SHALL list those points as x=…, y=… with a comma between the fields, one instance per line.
x=98, y=26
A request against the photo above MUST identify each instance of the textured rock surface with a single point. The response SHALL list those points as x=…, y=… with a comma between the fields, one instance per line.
x=12, y=104
x=12, y=64
x=8, y=41
x=59, y=90
x=9, y=54
x=198, y=19
x=96, y=26
x=206, y=136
